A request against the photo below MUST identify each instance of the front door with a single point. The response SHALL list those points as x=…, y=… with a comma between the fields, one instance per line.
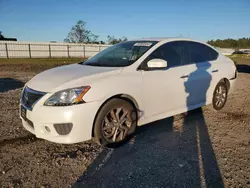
x=163, y=90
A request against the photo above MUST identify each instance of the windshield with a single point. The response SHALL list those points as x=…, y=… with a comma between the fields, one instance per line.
x=120, y=55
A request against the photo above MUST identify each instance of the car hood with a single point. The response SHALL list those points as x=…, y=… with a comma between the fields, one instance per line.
x=69, y=76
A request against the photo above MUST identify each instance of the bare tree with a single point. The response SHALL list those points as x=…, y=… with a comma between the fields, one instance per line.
x=79, y=34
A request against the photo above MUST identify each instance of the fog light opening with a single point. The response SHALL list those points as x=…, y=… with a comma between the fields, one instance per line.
x=47, y=128
x=63, y=128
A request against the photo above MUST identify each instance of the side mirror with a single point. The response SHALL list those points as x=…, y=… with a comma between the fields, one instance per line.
x=157, y=63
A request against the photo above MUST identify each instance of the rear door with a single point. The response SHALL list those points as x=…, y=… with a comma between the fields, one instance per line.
x=200, y=70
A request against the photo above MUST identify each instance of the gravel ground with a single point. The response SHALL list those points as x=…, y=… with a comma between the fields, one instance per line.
x=202, y=148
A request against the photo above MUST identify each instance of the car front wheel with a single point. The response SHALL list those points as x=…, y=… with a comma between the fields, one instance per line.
x=115, y=122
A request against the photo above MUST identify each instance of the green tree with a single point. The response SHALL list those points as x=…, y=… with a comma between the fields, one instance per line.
x=79, y=34
x=113, y=40
x=1, y=36
x=231, y=43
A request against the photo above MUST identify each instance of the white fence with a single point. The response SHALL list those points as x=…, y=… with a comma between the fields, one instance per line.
x=16, y=49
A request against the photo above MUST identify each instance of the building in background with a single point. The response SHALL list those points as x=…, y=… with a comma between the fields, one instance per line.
x=225, y=51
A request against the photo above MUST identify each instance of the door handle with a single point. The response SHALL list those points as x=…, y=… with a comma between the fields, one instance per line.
x=215, y=70
x=184, y=76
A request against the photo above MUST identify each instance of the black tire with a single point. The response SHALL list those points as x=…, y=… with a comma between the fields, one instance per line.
x=219, y=100
x=105, y=123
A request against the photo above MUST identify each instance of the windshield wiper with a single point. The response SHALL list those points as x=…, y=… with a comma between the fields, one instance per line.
x=91, y=64
x=81, y=63
x=95, y=64
x=103, y=64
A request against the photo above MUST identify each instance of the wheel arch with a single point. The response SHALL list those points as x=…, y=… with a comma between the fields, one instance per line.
x=226, y=81
x=126, y=97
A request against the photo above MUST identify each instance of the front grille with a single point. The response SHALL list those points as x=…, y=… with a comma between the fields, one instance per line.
x=30, y=97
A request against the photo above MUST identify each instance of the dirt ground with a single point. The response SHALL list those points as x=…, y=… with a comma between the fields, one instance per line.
x=203, y=148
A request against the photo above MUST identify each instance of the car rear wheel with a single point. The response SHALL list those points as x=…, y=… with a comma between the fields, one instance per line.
x=115, y=122
x=220, y=96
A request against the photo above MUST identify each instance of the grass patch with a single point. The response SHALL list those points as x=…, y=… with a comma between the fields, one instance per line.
x=35, y=65
x=241, y=59
x=240, y=56
x=44, y=61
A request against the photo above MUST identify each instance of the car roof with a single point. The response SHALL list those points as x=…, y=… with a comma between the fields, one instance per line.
x=170, y=39
x=158, y=39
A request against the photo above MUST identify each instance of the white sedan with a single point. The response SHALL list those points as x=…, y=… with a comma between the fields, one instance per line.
x=124, y=86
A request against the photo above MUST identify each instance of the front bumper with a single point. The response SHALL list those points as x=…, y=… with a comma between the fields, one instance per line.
x=43, y=119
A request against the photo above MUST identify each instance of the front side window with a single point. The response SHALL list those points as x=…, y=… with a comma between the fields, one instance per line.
x=120, y=55
x=170, y=52
x=195, y=52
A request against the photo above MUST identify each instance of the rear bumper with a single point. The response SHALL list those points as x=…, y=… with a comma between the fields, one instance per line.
x=43, y=119
x=232, y=85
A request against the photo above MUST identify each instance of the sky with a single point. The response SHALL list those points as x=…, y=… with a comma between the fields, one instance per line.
x=51, y=20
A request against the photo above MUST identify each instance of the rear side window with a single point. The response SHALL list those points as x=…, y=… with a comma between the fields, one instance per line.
x=196, y=53
x=171, y=52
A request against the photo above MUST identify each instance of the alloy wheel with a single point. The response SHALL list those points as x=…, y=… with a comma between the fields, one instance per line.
x=220, y=96
x=116, y=124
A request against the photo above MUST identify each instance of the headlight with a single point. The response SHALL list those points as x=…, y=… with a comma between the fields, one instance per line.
x=67, y=97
